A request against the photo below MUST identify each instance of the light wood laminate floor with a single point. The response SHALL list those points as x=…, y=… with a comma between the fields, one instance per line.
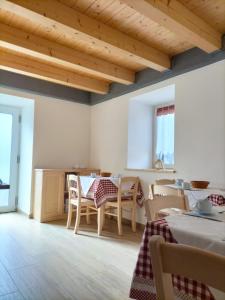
x=47, y=261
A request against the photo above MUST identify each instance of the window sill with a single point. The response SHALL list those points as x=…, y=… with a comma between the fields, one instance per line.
x=153, y=170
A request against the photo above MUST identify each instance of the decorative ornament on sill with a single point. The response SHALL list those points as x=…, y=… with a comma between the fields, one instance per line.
x=159, y=162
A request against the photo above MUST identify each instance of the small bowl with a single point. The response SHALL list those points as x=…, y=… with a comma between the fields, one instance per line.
x=198, y=184
x=106, y=174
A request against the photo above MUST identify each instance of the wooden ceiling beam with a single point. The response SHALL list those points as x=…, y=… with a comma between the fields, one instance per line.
x=26, y=66
x=174, y=16
x=66, y=21
x=29, y=44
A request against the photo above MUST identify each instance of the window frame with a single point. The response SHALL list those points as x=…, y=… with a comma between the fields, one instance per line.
x=154, y=133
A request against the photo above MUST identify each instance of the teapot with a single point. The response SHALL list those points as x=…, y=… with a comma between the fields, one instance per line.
x=204, y=206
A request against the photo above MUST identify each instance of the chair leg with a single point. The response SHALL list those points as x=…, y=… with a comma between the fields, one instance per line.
x=133, y=221
x=77, y=223
x=88, y=220
x=119, y=221
x=69, y=218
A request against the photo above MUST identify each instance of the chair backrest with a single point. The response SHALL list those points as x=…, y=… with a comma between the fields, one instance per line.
x=190, y=262
x=74, y=187
x=165, y=181
x=150, y=191
x=153, y=206
x=128, y=186
x=163, y=190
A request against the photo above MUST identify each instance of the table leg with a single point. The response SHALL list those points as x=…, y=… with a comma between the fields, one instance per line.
x=100, y=219
x=103, y=215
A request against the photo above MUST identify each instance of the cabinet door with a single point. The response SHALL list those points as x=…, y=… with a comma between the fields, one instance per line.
x=53, y=195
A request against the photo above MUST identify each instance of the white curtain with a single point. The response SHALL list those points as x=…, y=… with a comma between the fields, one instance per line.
x=165, y=138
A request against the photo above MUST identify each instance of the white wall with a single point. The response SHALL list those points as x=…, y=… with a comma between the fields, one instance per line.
x=140, y=135
x=62, y=133
x=200, y=125
x=61, y=138
x=199, y=129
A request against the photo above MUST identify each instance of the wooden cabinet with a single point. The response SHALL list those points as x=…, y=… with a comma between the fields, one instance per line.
x=49, y=188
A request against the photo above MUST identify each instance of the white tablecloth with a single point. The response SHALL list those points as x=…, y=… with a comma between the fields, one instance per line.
x=125, y=186
x=194, y=195
x=198, y=232
x=86, y=182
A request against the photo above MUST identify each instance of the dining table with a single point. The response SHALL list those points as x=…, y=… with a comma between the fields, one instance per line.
x=215, y=195
x=201, y=232
x=103, y=189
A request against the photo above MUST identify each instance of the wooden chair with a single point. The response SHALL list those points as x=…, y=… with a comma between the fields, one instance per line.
x=126, y=198
x=161, y=206
x=160, y=182
x=82, y=206
x=162, y=190
x=165, y=181
x=200, y=265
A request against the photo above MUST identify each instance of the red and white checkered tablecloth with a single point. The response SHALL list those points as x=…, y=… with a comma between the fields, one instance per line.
x=217, y=199
x=103, y=190
x=143, y=287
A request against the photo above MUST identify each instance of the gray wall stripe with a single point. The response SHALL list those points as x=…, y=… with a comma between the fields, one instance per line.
x=182, y=63
x=42, y=87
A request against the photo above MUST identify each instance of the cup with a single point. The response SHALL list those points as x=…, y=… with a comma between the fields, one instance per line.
x=204, y=206
x=186, y=185
x=179, y=182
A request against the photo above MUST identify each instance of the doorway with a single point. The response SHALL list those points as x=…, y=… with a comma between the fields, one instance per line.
x=10, y=119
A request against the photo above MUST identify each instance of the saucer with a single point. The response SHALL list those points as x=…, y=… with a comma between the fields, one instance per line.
x=206, y=213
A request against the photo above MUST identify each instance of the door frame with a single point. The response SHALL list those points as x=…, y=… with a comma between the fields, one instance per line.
x=15, y=157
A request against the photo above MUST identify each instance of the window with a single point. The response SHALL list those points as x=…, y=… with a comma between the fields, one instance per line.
x=151, y=129
x=164, y=134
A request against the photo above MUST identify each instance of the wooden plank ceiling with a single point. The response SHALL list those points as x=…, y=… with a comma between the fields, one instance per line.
x=88, y=44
